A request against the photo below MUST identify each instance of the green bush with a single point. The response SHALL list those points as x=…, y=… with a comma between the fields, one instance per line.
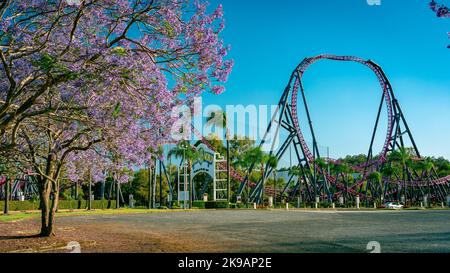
x=62, y=205
x=237, y=206
x=20, y=206
x=216, y=205
x=325, y=205
x=199, y=204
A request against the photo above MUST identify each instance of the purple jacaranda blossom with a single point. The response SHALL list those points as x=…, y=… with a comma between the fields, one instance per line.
x=111, y=72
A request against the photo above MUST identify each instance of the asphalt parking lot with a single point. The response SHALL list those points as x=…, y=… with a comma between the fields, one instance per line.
x=281, y=231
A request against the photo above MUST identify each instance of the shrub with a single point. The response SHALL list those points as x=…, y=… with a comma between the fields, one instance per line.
x=216, y=205
x=199, y=204
x=325, y=205
x=237, y=206
x=20, y=205
x=62, y=205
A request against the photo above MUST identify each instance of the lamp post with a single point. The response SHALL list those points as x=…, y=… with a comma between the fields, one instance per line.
x=183, y=147
x=149, y=185
x=90, y=191
x=228, y=169
x=117, y=191
x=7, y=195
x=160, y=185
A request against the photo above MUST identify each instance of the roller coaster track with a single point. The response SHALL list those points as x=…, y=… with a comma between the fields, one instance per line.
x=286, y=118
x=385, y=85
x=20, y=184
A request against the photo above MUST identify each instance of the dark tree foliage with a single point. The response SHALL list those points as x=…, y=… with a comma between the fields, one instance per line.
x=441, y=11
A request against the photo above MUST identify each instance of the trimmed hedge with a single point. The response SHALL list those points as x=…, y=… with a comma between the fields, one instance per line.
x=199, y=204
x=19, y=205
x=83, y=204
x=216, y=205
x=205, y=205
x=237, y=206
x=62, y=204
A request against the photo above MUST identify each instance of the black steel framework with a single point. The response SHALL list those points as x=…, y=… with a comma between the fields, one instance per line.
x=315, y=183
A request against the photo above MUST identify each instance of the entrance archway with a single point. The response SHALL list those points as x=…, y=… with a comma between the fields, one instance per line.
x=203, y=183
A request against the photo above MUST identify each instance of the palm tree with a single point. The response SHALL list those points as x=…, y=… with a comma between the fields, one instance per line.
x=402, y=157
x=260, y=159
x=189, y=154
x=322, y=165
x=426, y=166
x=376, y=178
x=272, y=162
x=343, y=170
x=220, y=119
x=244, y=163
x=295, y=171
x=387, y=172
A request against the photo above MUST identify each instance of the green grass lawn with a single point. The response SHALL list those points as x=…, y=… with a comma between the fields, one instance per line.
x=17, y=216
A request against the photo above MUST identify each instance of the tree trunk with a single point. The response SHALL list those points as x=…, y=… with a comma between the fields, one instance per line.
x=48, y=208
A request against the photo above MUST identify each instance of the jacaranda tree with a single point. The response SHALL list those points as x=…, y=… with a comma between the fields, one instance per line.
x=441, y=11
x=88, y=86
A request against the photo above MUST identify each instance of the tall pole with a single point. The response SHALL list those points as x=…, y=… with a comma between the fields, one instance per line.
x=184, y=177
x=330, y=197
x=117, y=193
x=228, y=170
x=76, y=190
x=160, y=184
x=7, y=190
x=149, y=186
x=154, y=185
x=275, y=189
x=290, y=169
x=328, y=156
x=191, y=188
x=90, y=191
x=314, y=175
x=261, y=201
x=103, y=192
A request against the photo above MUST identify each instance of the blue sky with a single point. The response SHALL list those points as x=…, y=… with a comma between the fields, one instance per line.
x=269, y=38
